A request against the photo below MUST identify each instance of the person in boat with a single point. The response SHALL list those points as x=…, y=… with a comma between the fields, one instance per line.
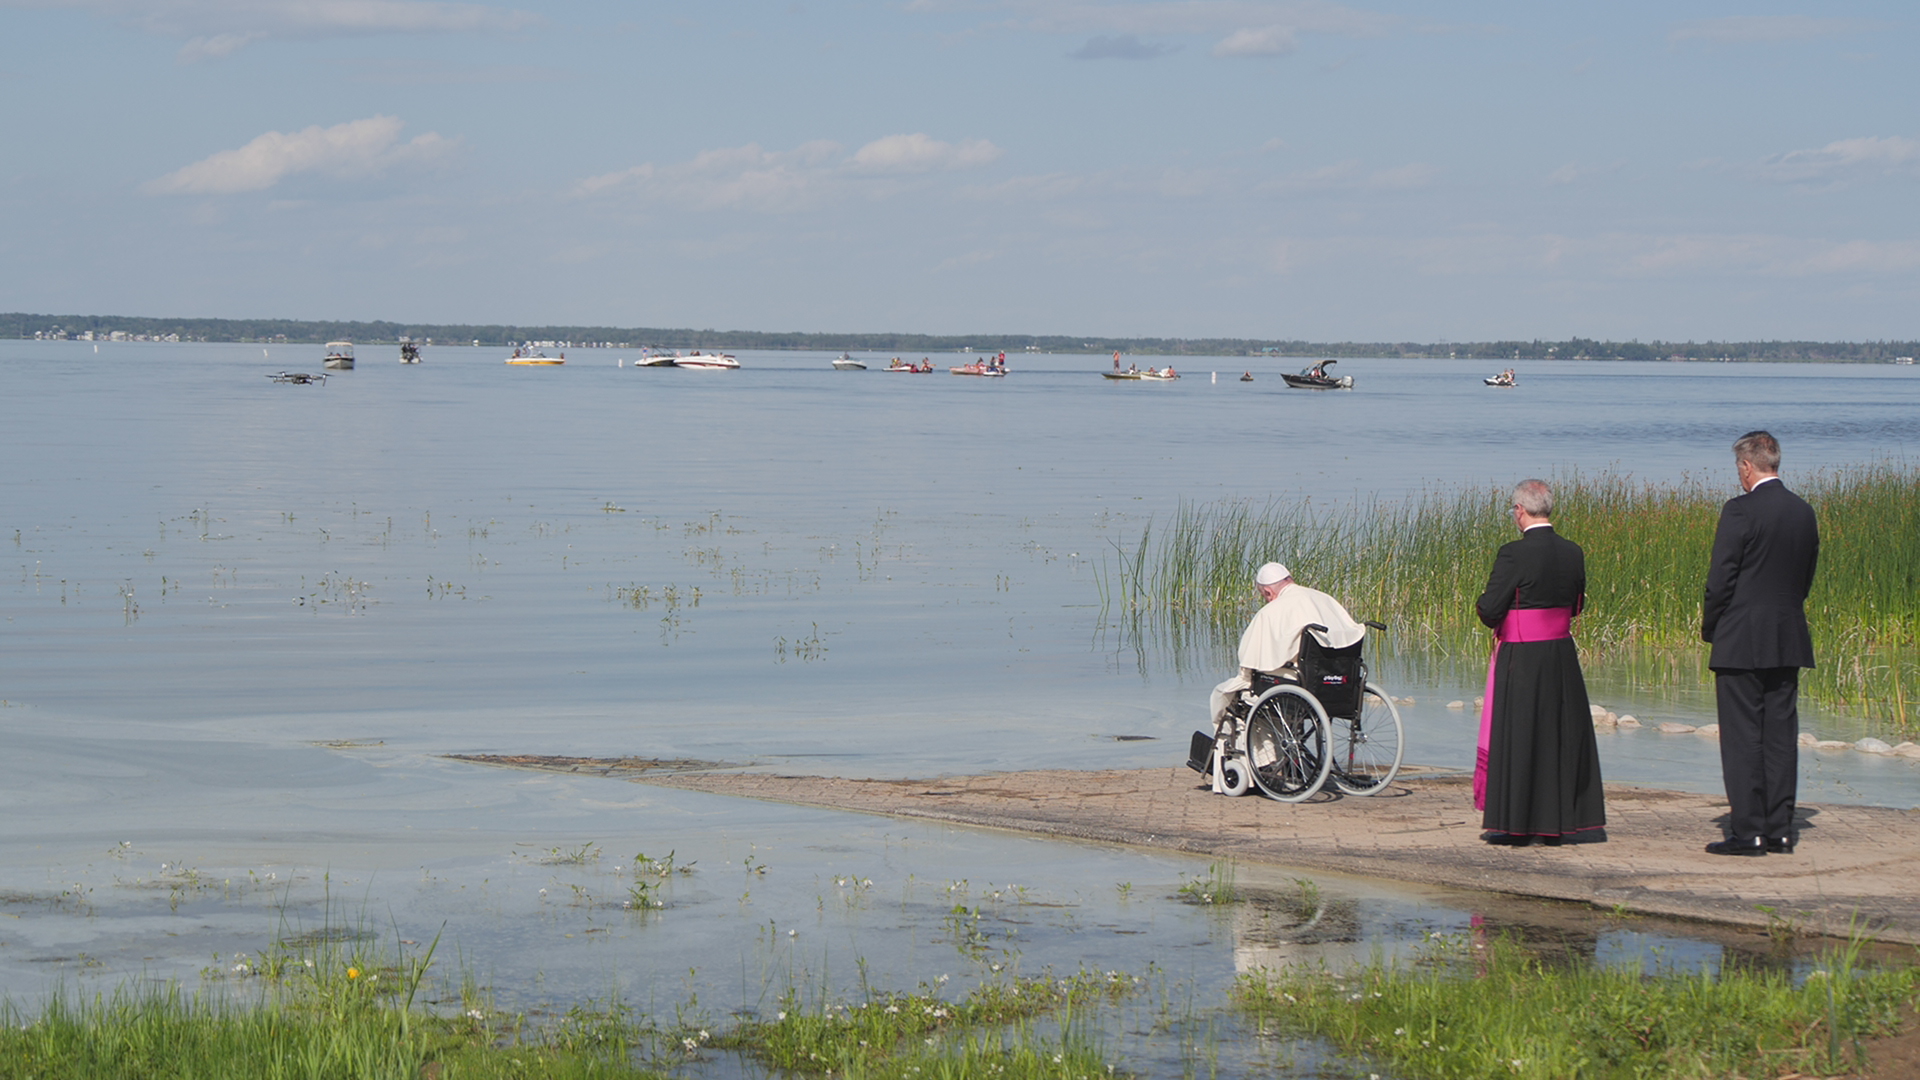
x=1271, y=642
x=1246, y=376
x=1537, y=773
x=1116, y=362
x=1170, y=373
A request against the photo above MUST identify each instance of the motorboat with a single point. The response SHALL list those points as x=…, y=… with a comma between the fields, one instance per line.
x=1149, y=375
x=846, y=362
x=980, y=367
x=535, y=358
x=339, y=356
x=654, y=359
x=1314, y=377
x=299, y=378
x=1505, y=378
x=409, y=353
x=1247, y=377
x=707, y=361
x=924, y=367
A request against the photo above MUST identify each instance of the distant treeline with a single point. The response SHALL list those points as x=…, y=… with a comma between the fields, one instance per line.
x=104, y=327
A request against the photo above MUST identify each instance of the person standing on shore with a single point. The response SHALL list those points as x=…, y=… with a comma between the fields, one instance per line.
x=1537, y=773
x=1754, y=615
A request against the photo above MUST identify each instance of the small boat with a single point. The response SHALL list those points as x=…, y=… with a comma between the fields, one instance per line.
x=1129, y=375
x=1247, y=377
x=1314, y=377
x=409, y=353
x=652, y=359
x=1149, y=375
x=535, y=358
x=339, y=356
x=980, y=367
x=707, y=361
x=924, y=367
x=846, y=362
x=299, y=378
x=1505, y=378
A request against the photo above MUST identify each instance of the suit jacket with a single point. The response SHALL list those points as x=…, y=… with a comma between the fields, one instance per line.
x=1542, y=569
x=1764, y=553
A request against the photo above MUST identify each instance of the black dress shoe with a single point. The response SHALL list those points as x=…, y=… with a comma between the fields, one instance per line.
x=1731, y=846
x=1780, y=845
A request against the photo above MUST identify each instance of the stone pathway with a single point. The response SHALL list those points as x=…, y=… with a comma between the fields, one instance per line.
x=1852, y=862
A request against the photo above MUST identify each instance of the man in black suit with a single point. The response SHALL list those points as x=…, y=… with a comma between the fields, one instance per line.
x=1764, y=553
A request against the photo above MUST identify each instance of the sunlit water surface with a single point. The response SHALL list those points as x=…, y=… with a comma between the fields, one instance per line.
x=212, y=577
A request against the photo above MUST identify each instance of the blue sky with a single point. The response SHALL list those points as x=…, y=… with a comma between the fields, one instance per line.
x=1195, y=168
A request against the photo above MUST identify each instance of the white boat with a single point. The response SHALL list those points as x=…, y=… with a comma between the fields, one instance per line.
x=846, y=362
x=655, y=360
x=1505, y=378
x=339, y=356
x=707, y=361
x=409, y=353
x=535, y=358
x=1903, y=359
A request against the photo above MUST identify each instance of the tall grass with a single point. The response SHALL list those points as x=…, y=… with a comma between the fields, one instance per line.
x=1419, y=564
x=1472, y=1009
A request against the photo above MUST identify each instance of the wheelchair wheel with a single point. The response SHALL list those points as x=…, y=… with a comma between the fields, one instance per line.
x=1287, y=744
x=1367, y=748
x=1236, y=777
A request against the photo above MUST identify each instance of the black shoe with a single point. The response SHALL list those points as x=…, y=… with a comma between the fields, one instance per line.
x=1780, y=845
x=1731, y=846
x=1502, y=839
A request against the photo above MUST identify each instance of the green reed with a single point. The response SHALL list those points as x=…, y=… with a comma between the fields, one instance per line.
x=1419, y=564
x=1475, y=1009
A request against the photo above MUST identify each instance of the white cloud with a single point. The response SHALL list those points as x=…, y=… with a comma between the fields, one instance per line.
x=216, y=28
x=353, y=150
x=1761, y=255
x=1867, y=154
x=918, y=153
x=1761, y=29
x=780, y=181
x=1121, y=47
x=1258, y=41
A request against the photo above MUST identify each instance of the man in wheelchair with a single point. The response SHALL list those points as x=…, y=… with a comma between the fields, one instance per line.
x=1270, y=646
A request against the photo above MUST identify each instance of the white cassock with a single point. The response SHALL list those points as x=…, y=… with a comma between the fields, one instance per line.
x=1272, y=639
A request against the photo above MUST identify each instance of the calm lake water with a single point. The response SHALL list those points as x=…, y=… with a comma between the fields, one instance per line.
x=211, y=576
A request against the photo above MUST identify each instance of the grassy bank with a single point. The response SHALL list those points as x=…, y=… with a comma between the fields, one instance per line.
x=1419, y=564
x=351, y=1018
x=1473, y=1009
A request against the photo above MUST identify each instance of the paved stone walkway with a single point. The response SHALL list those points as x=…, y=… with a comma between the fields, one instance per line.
x=1853, y=861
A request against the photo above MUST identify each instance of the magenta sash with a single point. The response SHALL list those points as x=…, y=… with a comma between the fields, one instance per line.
x=1521, y=624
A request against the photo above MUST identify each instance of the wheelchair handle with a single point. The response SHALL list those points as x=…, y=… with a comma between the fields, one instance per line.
x=1374, y=624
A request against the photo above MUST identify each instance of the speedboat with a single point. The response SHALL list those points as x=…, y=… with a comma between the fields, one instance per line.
x=339, y=356
x=846, y=362
x=654, y=360
x=409, y=353
x=535, y=358
x=1505, y=378
x=980, y=367
x=707, y=361
x=924, y=367
x=1314, y=377
x=299, y=378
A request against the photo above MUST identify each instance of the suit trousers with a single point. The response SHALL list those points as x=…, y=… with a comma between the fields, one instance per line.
x=1759, y=749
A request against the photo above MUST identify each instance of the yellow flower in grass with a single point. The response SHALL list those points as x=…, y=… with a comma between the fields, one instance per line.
x=353, y=973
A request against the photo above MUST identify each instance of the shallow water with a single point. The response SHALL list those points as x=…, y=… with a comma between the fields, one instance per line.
x=785, y=567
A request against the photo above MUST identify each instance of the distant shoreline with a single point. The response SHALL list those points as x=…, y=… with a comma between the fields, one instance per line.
x=28, y=326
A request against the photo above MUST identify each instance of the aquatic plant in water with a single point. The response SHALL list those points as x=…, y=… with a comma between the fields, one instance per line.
x=1471, y=1008
x=1419, y=564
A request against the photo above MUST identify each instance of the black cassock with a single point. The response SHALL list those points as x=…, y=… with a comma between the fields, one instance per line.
x=1543, y=765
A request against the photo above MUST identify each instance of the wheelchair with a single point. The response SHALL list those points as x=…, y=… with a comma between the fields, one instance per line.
x=1289, y=735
